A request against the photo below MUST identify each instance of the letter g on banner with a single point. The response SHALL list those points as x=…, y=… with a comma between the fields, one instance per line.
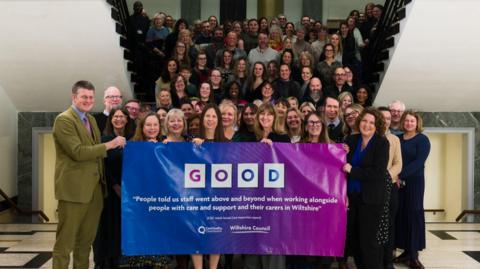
x=194, y=175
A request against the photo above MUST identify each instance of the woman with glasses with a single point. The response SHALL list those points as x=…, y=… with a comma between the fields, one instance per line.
x=106, y=247
x=326, y=67
x=350, y=117
x=200, y=73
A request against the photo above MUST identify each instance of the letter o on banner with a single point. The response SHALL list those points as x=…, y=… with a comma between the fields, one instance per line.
x=247, y=175
x=221, y=176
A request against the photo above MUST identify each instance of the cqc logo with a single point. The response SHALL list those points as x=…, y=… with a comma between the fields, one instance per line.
x=247, y=175
x=205, y=230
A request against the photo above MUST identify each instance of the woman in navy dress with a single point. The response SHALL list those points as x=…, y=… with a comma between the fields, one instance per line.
x=410, y=222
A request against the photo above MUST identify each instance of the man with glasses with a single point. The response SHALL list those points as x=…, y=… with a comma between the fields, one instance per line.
x=79, y=178
x=112, y=98
x=339, y=86
x=133, y=108
x=283, y=21
x=396, y=109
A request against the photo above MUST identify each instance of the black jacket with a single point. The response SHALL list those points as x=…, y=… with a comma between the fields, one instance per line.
x=372, y=170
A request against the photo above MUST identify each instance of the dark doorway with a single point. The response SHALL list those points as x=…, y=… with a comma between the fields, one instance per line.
x=233, y=10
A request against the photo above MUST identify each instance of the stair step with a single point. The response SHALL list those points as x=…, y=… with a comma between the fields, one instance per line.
x=130, y=66
x=395, y=28
x=123, y=42
x=115, y=14
x=119, y=29
x=379, y=67
x=401, y=13
x=383, y=55
x=127, y=55
x=389, y=43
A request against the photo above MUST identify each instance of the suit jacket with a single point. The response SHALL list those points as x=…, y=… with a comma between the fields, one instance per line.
x=101, y=120
x=79, y=163
x=372, y=170
x=336, y=134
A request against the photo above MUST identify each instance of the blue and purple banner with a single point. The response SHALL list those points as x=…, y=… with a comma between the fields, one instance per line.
x=233, y=198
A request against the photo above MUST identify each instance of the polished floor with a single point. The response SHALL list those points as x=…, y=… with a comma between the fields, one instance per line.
x=449, y=245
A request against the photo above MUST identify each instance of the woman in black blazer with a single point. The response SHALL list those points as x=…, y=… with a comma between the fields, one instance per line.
x=366, y=167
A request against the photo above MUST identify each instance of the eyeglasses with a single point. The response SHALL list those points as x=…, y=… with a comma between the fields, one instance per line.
x=351, y=114
x=132, y=108
x=113, y=97
x=396, y=111
x=314, y=123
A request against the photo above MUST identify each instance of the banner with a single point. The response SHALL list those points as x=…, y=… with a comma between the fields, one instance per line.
x=233, y=198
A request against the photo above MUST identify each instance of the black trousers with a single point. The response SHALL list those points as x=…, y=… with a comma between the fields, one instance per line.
x=363, y=222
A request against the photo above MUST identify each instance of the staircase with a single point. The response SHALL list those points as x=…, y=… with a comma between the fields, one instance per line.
x=120, y=14
x=383, y=43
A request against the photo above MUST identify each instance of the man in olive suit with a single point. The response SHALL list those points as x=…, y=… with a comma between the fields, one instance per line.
x=79, y=181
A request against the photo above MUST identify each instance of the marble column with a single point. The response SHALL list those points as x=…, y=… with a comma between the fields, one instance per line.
x=269, y=8
x=313, y=9
x=190, y=10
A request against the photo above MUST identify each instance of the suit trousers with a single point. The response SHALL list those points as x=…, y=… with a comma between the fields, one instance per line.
x=76, y=230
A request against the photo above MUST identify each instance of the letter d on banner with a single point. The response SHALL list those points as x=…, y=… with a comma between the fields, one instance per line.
x=273, y=175
x=194, y=175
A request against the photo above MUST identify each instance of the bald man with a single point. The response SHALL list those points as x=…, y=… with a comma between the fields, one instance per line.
x=112, y=98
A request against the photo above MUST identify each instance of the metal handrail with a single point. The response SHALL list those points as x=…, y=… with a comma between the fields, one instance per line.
x=467, y=212
x=22, y=211
x=122, y=8
x=383, y=32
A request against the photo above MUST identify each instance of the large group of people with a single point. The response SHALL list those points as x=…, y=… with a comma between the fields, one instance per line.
x=249, y=53
x=267, y=82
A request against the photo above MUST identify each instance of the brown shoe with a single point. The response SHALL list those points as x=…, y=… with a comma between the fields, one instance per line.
x=416, y=264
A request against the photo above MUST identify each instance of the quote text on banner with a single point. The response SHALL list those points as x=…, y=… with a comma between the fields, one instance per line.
x=233, y=198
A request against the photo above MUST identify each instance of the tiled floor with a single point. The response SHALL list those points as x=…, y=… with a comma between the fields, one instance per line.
x=449, y=245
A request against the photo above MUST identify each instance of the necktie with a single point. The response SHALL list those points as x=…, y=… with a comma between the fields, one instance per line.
x=86, y=123
x=331, y=126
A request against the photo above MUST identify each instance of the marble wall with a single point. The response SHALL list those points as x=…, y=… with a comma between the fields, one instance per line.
x=29, y=120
